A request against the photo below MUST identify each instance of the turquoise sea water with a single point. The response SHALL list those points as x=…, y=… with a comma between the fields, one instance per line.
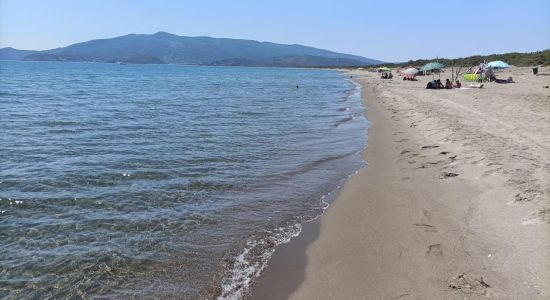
x=161, y=180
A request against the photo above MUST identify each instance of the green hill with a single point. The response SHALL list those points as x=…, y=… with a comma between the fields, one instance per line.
x=163, y=47
x=539, y=58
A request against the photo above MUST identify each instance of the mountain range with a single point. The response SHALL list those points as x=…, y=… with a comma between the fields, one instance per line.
x=167, y=48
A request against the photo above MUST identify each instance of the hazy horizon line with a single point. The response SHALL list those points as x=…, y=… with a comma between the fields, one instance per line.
x=265, y=41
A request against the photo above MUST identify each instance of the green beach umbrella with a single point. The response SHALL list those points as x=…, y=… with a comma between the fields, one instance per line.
x=384, y=69
x=498, y=64
x=431, y=66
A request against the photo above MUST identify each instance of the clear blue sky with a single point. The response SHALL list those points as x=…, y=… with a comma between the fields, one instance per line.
x=386, y=30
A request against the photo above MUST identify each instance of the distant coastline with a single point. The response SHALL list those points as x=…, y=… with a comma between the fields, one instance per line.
x=166, y=48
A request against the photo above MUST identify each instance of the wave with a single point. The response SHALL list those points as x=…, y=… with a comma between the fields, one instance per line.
x=257, y=251
x=4, y=94
x=200, y=185
x=344, y=120
x=252, y=261
x=97, y=180
x=313, y=164
x=52, y=123
x=252, y=113
x=62, y=131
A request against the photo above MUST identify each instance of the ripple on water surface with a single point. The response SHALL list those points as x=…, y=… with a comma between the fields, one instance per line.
x=163, y=181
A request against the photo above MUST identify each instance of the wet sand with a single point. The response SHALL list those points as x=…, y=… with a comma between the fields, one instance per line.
x=454, y=203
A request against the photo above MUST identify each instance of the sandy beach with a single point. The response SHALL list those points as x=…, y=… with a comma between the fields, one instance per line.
x=454, y=203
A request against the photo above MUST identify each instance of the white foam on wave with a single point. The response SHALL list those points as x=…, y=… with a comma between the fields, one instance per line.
x=253, y=260
x=250, y=263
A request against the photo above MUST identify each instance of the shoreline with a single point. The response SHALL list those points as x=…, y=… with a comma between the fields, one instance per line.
x=236, y=282
x=438, y=212
x=286, y=268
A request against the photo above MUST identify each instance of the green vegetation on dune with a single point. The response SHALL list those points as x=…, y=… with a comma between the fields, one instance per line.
x=539, y=58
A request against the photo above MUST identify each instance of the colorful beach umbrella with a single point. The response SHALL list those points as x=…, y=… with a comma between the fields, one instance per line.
x=431, y=66
x=384, y=69
x=498, y=64
x=410, y=71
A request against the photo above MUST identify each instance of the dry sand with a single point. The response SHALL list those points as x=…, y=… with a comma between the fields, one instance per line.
x=454, y=203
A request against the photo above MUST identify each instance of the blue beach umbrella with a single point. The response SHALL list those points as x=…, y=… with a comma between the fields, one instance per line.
x=498, y=64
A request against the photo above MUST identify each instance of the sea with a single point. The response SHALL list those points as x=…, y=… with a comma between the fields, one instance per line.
x=164, y=181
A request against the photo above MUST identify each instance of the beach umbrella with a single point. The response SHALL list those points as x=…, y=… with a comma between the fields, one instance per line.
x=498, y=64
x=410, y=71
x=431, y=66
x=384, y=69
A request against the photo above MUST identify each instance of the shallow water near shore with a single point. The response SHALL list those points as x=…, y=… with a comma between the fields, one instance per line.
x=163, y=180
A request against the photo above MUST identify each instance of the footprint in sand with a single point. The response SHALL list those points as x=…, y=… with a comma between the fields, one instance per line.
x=538, y=218
x=412, y=154
x=426, y=227
x=494, y=171
x=435, y=250
x=526, y=195
x=429, y=147
x=447, y=175
x=431, y=164
x=468, y=284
